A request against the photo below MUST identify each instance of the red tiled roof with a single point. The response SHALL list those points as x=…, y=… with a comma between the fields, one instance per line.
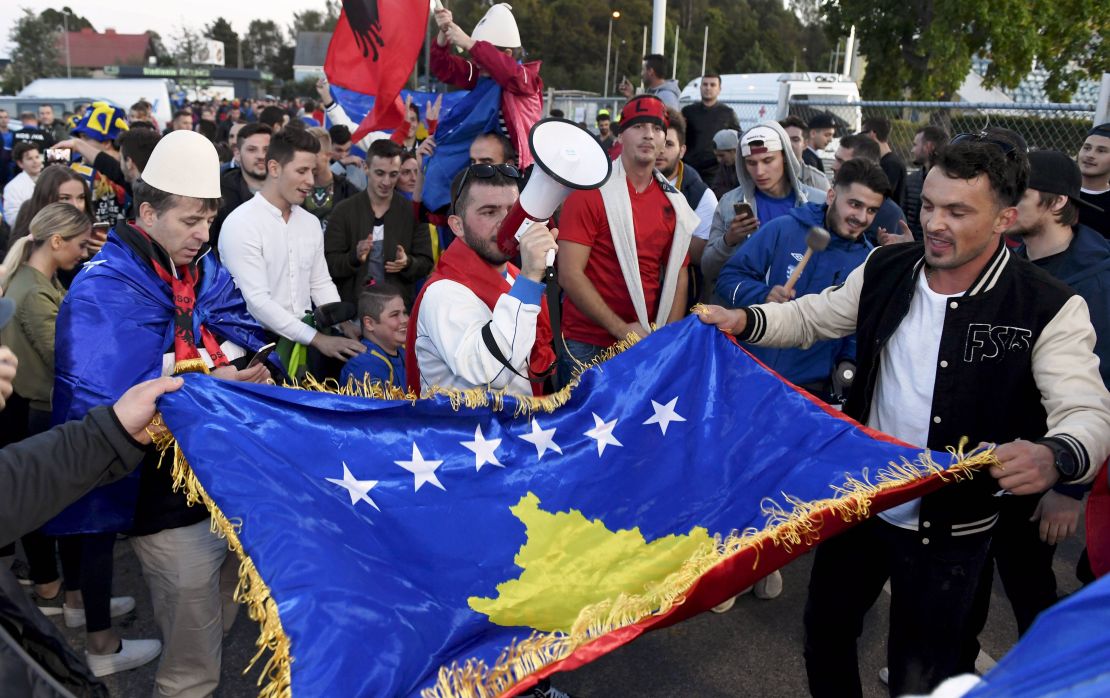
x=88, y=49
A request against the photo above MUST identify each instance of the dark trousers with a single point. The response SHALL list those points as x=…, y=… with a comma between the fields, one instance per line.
x=932, y=588
x=87, y=566
x=1024, y=566
x=577, y=355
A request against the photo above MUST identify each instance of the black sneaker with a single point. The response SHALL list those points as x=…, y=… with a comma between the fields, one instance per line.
x=22, y=572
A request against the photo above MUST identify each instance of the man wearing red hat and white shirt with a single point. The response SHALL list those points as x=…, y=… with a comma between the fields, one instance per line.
x=623, y=247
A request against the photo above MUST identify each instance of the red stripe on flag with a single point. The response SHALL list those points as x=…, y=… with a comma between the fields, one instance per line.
x=373, y=50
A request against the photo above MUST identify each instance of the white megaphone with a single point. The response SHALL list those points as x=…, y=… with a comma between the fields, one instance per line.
x=567, y=157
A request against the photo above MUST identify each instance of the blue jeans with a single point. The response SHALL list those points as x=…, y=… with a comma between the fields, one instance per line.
x=932, y=589
x=577, y=355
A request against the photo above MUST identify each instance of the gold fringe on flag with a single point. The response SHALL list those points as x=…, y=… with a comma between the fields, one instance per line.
x=275, y=680
x=474, y=678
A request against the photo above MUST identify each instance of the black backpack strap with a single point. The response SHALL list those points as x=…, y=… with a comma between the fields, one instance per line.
x=495, y=351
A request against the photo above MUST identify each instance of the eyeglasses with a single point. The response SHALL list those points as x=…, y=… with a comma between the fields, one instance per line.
x=482, y=170
x=1006, y=147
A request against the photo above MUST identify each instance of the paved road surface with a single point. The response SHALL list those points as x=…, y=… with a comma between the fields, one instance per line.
x=753, y=650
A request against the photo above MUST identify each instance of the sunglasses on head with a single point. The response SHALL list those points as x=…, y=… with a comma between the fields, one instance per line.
x=483, y=170
x=1006, y=147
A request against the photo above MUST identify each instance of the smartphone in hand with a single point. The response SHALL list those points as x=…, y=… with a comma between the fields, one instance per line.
x=743, y=210
x=262, y=354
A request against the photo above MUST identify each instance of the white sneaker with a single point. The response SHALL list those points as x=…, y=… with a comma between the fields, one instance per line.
x=75, y=617
x=133, y=653
x=724, y=606
x=884, y=676
x=769, y=587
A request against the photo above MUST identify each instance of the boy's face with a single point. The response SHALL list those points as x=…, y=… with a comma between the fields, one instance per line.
x=389, y=330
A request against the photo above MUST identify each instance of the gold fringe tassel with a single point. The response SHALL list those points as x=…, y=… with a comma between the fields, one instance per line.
x=275, y=680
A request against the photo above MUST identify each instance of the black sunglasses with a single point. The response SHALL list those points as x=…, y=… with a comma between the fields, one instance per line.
x=482, y=170
x=1006, y=147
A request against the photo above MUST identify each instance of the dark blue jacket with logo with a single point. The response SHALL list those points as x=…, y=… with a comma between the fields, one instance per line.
x=767, y=259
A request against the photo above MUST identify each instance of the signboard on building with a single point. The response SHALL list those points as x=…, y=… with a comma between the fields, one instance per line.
x=210, y=52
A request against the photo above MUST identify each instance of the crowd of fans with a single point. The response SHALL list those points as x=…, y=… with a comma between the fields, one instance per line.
x=324, y=246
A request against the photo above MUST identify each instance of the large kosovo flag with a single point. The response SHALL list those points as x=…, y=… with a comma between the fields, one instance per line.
x=470, y=544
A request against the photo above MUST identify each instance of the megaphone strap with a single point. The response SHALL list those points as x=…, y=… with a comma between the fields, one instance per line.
x=495, y=351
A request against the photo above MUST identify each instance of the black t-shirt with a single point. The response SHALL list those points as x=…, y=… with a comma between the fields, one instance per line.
x=895, y=169
x=1052, y=263
x=702, y=123
x=34, y=135
x=1091, y=218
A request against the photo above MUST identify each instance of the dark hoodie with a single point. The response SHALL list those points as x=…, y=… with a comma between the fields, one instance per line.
x=767, y=260
x=1085, y=266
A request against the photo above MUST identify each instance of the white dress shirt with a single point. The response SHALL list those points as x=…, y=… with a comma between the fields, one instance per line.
x=16, y=192
x=278, y=265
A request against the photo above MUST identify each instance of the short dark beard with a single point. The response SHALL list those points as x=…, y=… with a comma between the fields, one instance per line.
x=251, y=175
x=495, y=258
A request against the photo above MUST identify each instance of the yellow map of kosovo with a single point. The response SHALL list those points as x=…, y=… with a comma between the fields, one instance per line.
x=570, y=562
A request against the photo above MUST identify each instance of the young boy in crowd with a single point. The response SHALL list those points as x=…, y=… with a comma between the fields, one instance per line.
x=384, y=321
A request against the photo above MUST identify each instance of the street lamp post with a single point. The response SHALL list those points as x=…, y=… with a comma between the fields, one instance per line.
x=608, y=45
x=65, y=33
x=617, y=60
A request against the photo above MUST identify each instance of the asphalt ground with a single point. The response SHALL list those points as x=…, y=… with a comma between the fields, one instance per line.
x=753, y=650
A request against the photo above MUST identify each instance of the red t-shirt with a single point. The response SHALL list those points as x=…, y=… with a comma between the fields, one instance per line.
x=583, y=221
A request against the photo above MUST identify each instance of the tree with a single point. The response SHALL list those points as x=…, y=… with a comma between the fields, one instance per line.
x=263, y=48
x=74, y=21
x=926, y=48
x=315, y=20
x=34, y=51
x=220, y=30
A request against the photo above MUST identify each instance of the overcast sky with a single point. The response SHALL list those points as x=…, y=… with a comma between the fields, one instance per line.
x=162, y=16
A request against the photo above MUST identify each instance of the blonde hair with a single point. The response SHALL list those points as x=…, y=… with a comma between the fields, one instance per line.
x=59, y=218
x=322, y=135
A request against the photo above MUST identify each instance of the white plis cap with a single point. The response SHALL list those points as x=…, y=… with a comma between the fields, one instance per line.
x=184, y=163
x=498, y=27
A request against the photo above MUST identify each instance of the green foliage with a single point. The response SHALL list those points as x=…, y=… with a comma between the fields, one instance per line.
x=744, y=36
x=315, y=20
x=266, y=48
x=220, y=30
x=74, y=21
x=924, y=50
x=34, y=52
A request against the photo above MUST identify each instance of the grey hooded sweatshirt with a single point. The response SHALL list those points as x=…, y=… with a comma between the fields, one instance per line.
x=668, y=92
x=717, y=250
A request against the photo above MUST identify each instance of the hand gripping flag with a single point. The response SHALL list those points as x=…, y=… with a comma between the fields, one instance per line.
x=473, y=543
x=373, y=50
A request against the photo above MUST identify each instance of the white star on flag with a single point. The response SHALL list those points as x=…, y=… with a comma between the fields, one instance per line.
x=603, y=433
x=358, y=489
x=664, y=415
x=542, y=439
x=422, y=470
x=483, y=449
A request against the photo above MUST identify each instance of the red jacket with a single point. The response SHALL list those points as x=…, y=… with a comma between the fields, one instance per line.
x=521, y=86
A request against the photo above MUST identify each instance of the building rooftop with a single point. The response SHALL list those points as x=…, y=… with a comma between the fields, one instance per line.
x=90, y=49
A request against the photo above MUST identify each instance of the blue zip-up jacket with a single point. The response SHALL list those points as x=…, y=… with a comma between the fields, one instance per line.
x=1085, y=266
x=767, y=259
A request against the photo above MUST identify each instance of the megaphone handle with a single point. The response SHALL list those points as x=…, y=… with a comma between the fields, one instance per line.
x=550, y=260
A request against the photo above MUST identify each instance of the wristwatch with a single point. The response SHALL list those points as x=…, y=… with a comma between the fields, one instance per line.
x=1063, y=459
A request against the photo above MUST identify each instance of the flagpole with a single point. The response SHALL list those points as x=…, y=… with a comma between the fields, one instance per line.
x=704, y=49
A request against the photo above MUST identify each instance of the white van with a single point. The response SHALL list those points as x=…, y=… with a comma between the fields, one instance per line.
x=120, y=92
x=759, y=97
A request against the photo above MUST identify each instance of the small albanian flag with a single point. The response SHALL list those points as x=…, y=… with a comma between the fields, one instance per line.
x=373, y=51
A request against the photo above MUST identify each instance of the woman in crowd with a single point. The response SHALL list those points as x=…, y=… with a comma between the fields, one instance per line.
x=57, y=240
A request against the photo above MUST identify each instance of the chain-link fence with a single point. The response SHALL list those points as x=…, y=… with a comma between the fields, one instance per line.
x=1059, y=126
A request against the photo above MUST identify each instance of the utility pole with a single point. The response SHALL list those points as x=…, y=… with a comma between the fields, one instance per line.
x=65, y=31
x=608, y=45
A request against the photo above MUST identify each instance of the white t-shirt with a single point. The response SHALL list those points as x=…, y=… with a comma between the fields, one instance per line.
x=907, y=374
